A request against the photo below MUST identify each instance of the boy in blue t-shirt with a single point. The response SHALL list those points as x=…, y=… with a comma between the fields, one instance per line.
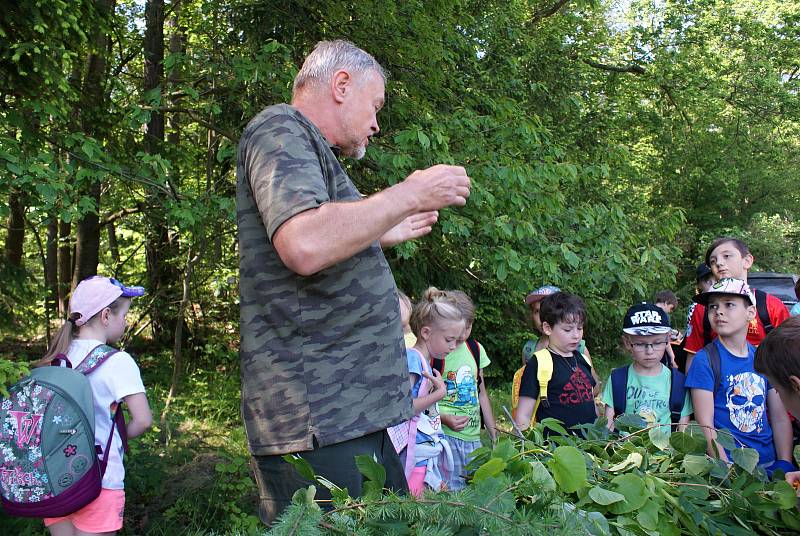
x=744, y=402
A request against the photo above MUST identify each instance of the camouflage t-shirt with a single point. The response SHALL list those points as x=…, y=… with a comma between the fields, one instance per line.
x=321, y=356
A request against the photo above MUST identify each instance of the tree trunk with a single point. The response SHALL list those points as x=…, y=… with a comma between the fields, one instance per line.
x=161, y=248
x=87, y=240
x=113, y=243
x=64, y=267
x=51, y=271
x=15, y=239
x=177, y=346
x=93, y=98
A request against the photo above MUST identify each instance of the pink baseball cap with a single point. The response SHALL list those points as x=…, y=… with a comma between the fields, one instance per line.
x=95, y=293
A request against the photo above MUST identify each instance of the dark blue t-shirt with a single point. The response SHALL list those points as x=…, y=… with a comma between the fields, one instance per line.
x=740, y=403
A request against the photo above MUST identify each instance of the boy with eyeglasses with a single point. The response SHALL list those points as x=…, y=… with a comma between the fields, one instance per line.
x=727, y=392
x=647, y=387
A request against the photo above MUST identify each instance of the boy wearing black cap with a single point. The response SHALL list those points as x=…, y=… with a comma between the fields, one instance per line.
x=727, y=393
x=646, y=387
x=704, y=281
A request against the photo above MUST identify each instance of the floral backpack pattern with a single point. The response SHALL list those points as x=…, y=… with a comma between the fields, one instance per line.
x=49, y=464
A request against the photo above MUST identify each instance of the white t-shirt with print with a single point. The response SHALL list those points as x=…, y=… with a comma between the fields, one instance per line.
x=112, y=381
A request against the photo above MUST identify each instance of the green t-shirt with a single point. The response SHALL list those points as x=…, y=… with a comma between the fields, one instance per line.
x=648, y=397
x=461, y=379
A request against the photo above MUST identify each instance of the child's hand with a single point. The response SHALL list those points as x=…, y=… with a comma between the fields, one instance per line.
x=437, y=381
x=455, y=422
x=793, y=478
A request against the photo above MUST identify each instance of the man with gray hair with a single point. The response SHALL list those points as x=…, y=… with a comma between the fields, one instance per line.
x=323, y=364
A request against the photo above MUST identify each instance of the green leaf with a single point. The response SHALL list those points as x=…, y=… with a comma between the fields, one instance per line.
x=504, y=449
x=634, y=459
x=424, y=140
x=630, y=422
x=604, y=496
x=633, y=488
x=785, y=495
x=541, y=476
x=697, y=465
x=554, y=425
x=745, y=458
x=648, y=515
x=725, y=438
x=659, y=437
x=371, y=469
x=569, y=468
x=501, y=272
x=687, y=443
x=490, y=469
x=301, y=466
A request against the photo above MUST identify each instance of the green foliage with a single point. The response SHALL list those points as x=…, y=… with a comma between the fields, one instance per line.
x=604, y=485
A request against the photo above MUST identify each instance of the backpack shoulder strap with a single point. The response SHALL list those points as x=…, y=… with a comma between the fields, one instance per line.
x=96, y=357
x=763, y=312
x=544, y=372
x=619, y=388
x=475, y=350
x=529, y=348
x=706, y=327
x=437, y=363
x=677, y=394
x=714, y=363
x=515, y=385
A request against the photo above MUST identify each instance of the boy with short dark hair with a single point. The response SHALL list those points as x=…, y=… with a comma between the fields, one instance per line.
x=567, y=393
x=646, y=387
x=668, y=301
x=726, y=390
x=729, y=257
x=703, y=281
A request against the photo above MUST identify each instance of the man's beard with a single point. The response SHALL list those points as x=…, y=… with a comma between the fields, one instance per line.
x=355, y=147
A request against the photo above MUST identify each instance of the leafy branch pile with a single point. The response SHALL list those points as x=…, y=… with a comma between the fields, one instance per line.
x=646, y=483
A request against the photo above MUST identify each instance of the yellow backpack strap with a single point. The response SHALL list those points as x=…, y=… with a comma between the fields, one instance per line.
x=515, y=384
x=544, y=372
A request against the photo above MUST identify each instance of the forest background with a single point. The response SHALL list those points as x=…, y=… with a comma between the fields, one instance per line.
x=607, y=144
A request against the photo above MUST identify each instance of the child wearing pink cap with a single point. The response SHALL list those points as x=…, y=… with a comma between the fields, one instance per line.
x=97, y=317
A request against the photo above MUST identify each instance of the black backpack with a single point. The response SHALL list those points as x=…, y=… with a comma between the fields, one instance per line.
x=677, y=391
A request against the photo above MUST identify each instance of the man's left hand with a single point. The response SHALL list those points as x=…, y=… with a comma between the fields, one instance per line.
x=410, y=228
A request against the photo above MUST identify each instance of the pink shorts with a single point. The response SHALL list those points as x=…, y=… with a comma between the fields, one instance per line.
x=104, y=514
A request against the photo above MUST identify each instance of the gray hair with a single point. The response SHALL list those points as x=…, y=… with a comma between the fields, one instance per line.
x=328, y=57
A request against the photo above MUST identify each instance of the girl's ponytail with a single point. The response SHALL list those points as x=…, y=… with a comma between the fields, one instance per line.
x=60, y=342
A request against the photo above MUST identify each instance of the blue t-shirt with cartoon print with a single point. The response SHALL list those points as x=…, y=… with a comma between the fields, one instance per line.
x=740, y=403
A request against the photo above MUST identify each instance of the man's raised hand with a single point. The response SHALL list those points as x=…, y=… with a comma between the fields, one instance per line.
x=440, y=186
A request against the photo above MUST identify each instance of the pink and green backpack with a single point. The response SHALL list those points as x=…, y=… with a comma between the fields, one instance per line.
x=49, y=463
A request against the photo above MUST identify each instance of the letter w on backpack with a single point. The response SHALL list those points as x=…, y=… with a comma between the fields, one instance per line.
x=49, y=465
